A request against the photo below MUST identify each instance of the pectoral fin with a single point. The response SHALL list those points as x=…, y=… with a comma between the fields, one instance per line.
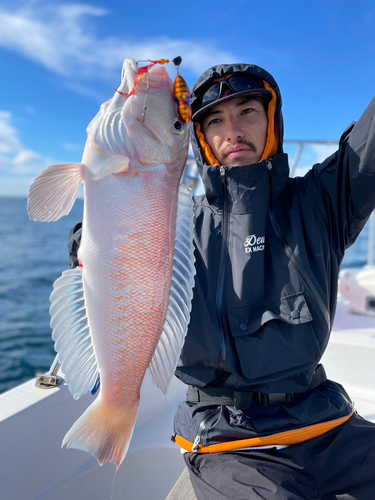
x=115, y=165
x=54, y=191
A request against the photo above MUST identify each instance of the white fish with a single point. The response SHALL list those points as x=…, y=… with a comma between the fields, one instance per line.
x=127, y=306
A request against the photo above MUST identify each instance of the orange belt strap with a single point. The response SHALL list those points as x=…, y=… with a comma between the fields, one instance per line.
x=286, y=438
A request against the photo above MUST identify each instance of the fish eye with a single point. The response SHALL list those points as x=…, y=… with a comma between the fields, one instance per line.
x=178, y=127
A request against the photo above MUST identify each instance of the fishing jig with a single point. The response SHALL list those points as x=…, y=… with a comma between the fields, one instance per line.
x=181, y=91
x=182, y=97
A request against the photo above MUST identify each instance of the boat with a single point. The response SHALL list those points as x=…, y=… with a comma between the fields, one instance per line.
x=33, y=421
x=33, y=466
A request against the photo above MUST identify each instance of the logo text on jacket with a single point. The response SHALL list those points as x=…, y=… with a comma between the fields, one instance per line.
x=254, y=243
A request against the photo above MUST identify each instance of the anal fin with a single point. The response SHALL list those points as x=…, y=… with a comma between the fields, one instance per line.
x=71, y=333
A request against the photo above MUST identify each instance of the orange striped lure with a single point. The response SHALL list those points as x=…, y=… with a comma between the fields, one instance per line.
x=141, y=72
x=182, y=96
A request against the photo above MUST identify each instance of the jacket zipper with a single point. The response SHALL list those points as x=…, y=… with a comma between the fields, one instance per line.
x=202, y=426
x=296, y=261
x=222, y=269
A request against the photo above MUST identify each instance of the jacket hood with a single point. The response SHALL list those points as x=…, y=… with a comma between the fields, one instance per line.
x=274, y=144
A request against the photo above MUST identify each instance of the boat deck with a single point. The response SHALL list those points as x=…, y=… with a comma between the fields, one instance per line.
x=182, y=490
x=33, y=423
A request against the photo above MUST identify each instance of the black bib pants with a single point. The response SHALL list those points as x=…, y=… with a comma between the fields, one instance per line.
x=340, y=465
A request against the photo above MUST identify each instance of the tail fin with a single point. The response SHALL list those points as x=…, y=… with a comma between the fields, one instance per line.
x=103, y=432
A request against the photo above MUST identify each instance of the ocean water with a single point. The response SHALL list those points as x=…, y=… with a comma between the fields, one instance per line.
x=33, y=256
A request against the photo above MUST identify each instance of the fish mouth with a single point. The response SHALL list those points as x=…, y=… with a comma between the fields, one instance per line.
x=128, y=75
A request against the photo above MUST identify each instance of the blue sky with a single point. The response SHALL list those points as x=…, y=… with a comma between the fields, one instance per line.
x=60, y=60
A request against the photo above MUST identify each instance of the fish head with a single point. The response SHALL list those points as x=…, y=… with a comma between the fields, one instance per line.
x=144, y=125
x=157, y=133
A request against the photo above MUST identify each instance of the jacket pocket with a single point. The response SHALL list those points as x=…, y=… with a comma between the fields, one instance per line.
x=276, y=347
x=291, y=309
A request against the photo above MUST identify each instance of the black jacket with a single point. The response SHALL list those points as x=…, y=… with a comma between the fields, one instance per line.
x=268, y=250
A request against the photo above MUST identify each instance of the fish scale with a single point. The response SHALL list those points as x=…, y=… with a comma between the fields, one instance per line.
x=133, y=263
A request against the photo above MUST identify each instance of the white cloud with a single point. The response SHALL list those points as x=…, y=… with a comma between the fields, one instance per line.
x=48, y=34
x=26, y=156
x=9, y=141
x=62, y=39
x=18, y=166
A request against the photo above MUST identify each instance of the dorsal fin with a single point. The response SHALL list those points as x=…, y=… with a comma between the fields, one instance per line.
x=177, y=319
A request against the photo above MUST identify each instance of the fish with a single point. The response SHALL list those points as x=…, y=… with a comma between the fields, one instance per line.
x=126, y=307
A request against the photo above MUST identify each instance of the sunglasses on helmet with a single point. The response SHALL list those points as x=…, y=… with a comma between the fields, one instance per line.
x=229, y=86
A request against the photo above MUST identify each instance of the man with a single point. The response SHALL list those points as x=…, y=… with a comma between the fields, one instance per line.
x=261, y=420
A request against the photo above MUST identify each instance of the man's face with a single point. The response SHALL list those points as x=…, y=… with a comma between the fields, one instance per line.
x=236, y=131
